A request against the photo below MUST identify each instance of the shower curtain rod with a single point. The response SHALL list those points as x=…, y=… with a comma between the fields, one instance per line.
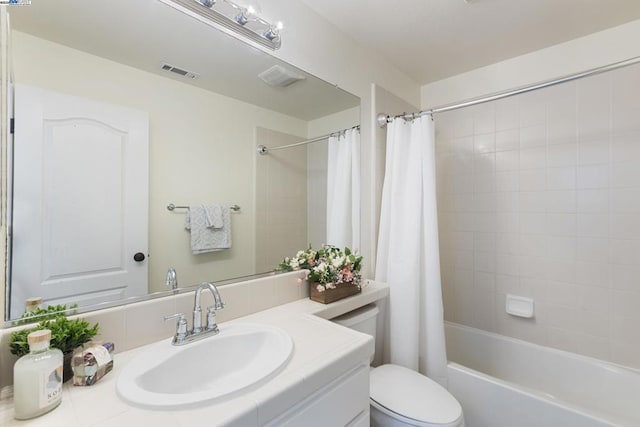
x=384, y=119
x=264, y=150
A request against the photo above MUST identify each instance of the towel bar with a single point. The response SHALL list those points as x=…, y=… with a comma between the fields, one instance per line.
x=171, y=207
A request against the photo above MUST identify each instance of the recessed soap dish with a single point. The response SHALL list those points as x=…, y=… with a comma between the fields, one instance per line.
x=519, y=306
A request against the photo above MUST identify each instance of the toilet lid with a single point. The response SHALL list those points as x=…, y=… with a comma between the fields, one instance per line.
x=412, y=395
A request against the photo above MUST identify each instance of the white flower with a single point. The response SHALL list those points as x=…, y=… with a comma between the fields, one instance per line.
x=337, y=263
x=320, y=288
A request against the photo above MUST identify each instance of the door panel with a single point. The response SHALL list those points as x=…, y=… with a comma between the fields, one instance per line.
x=80, y=199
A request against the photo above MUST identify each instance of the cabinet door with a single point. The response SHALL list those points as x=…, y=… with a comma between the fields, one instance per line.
x=340, y=403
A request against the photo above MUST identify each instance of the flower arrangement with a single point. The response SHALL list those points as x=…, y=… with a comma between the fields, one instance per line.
x=328, y=266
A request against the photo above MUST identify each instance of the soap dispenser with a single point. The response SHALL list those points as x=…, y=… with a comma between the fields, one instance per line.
x=37, y=378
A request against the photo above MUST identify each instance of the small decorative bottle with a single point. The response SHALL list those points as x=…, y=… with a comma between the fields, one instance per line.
x=37, y=378
x=32, y=304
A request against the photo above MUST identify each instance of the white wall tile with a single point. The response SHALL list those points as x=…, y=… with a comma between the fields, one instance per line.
x=508, y=222
x=484, y=242
x=484, y=163
x=484, y=183
x=548, y=185
x=533, y=136
x=560, y=271
x=561, y=224
x=533, y=158
x=533, y=223
x=592, y=249
x=485, y=261
x=484, y=118
x=624, y=175
x=507, y=140
x=532, y=201
x=593, y=152
x=593, y=274
x=563, y=294
x=562, y=155
x=593, y=225
x=532, y=108
x=533, y=244
x=625, y=251
x=626, y=277
x=507, y=161
x=507, y=114
x=507, y=265
x=507, y=181
x=561, y=178
x=625, y=147
x=593, y=201
x=563, y=201
x=561, y=248
x=485, y=143
x=507, y=243
x=533, y=180
x=596, y=176
x=625, y=226
x=507, y=202
x=625, y=200
x=595, y=299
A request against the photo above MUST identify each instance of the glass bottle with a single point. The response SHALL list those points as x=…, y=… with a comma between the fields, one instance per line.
x=37, y=378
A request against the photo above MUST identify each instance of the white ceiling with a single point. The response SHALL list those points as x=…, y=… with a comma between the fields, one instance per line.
x=145, y=33
x=432, y=39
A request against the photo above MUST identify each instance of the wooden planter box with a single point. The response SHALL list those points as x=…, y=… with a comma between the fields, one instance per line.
x=331, y=295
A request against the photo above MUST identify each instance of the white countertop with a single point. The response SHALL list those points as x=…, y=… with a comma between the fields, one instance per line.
x=322, y=351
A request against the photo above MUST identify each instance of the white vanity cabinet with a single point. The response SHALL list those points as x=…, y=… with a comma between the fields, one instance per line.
x=343, y=402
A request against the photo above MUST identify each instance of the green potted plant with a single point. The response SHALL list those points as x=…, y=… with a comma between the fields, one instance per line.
x=66, y=335
x=333, y=273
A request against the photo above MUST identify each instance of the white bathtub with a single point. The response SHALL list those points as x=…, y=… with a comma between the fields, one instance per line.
x=505, y=382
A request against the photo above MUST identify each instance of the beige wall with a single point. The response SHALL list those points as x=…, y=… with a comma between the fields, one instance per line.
x=281, y=199
x=584, y=53
x=202, y=149
x=539, y=196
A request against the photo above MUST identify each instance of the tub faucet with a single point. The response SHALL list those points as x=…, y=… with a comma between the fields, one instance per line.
x=184, y=336
x=172, y=278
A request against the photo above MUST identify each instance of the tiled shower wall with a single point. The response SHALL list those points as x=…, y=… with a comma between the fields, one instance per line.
x=539, y=196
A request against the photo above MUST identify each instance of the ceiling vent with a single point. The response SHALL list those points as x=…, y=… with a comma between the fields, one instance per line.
x=179, y=71
x=279, y=76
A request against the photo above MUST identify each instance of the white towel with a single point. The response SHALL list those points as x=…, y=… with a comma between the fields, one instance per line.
x=213, y=215
x=203, y=237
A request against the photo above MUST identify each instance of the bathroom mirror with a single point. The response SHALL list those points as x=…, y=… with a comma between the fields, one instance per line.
x=194, y=93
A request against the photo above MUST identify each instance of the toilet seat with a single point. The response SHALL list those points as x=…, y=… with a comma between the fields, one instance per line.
x=413, y=398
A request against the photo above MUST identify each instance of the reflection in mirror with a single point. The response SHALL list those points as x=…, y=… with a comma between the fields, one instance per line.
x=105, y=139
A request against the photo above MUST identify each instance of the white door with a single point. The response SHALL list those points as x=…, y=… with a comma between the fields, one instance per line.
x=80, y=200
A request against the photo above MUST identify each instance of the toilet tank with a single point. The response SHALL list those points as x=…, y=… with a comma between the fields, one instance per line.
x=362, y=320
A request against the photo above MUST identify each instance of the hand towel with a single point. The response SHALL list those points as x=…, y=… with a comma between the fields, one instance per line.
x=213, y=215
x=204, y=238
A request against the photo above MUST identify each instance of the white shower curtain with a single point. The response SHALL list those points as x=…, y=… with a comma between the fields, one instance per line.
x=408, y=254
x=343, y=190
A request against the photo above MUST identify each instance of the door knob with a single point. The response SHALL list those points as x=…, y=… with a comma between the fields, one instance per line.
x=138, y=257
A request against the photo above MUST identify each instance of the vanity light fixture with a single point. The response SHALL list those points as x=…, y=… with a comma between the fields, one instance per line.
x=231, y=16
x=245, y=14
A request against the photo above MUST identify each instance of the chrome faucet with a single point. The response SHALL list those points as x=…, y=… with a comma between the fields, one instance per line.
x=172, y=278
x=183, y=335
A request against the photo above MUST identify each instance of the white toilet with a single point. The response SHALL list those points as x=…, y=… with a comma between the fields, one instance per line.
x=398, y=396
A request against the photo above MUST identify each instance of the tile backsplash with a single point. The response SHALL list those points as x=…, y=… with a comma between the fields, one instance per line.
x=539, y=196
x=135, y=325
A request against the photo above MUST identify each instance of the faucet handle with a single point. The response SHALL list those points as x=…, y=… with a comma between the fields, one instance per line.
x=211, y=319
x=181, y=326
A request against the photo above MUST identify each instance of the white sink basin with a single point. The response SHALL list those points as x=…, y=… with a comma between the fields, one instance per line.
x=240, y=356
